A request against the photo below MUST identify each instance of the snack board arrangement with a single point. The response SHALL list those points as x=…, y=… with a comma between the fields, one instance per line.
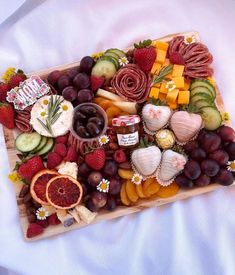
x=113, y=134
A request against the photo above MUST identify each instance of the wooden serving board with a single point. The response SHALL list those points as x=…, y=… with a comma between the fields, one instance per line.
x=103, y=215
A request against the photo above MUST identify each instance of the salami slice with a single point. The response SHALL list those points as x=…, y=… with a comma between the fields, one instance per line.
x=131, y=83
x=22, y=120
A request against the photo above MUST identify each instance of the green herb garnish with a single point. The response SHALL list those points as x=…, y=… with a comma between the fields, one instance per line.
x=162, y=74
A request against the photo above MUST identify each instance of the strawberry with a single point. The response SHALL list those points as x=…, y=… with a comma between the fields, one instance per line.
x=4, y=88
x=96, y=82
x=60, y=149
x=53, y=160
x=144, y=55
x=119, y=156
x=96, y=159
x=17, y=78
x=7, y=115
x=71, y=155
x=53, y=219
x=33, y=230
x=30, y=167
x=42, y=223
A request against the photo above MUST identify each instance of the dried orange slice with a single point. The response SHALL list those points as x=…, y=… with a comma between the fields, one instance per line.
x=63, y=192
x=130, y=190
x=123, y=195
x=168, y=191
x=39, y=184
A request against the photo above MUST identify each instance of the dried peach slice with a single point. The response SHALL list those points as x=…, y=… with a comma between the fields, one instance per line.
x=146, y=184
x=125, y=174
x=168, y=191
x=130, y=190
x=98, y=99
x=113, y=111
x=105, y=104
x=123, y=195
x=152, y=189
x=139, y=190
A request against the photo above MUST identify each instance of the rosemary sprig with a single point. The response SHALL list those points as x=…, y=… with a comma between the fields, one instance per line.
x=162, y=74
x=53, y=113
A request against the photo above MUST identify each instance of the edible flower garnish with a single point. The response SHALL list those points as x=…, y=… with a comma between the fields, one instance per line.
x=14, y=177
x=41, y=213
x=170, y=85
x=189, y=39
x=97, y=55
x=123, y=61
x=162, y=76
x=231, y=166
x=103, y=140
x=225, y=117
x=64, y=107
x=8, y=74
x=103, y=186
x=137, y=179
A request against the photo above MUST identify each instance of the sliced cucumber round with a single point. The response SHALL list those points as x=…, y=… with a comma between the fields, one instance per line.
x=41, y=145
x=117, y=51
x=111, y=54
x=200, y=82
x=112, y=59
x=27, y=142
x=105, y=68
x=47, y=148
x=211, y=117
x=203, y=103
x=200, y=96
x=204, y=90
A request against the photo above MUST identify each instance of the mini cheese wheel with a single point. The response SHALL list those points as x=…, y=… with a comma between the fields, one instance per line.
x=177, y=70
x=156, y=67
x=172, y=96
x=183, y=97
x=161, y=56
x=179, y=81
x=163, y=88
x=161, y=45
x=154, y=92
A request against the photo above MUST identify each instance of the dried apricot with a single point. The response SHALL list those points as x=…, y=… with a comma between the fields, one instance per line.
x=113, y=111
x=139, y=190
x=130, y=190
x=146, y=184
x=123, y=195
x=125, y=174
x=152, y=189
x=105, y=104
x=98, y=99
x=168, y=191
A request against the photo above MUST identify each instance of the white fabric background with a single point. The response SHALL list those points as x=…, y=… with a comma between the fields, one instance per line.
x=194, y=236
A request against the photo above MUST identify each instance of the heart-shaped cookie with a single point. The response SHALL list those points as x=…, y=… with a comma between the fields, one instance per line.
x=155, y=117
x=185, y=125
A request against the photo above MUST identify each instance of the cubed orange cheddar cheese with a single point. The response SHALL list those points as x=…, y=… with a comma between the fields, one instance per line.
x=156, y=67
x=186, y=85
x=154, y=92
x=172, y=96
x=183, y=97
x=179, y=81
x=166, y=63
x=162, y=96
x=173, y=105
x=157, y=85
x=161, y=45
x=163, y=88
x=177, y=70
x=161, y=56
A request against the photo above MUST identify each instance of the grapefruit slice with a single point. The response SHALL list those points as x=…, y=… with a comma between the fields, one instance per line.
x=63, y=192
x=39, y=183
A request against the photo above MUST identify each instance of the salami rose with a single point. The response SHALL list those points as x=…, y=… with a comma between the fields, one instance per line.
x=131, y=83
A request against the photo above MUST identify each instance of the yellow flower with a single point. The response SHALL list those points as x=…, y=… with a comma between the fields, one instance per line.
x=211, y=80
x=41, y=213
x=8, y=74
x=225, y=117
x=14, y=177
x=103, y=140
x=45, y=102
x=103, y=186
x=137, y=179
x=97, y=55
x=170, y=85
x=189, y=39
x=64, y=107
x=231, y=166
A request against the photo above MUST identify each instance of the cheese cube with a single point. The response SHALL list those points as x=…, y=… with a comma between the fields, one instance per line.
x=172, y=96
x=166, y=63
x=186, y=85
x=162, y=97
x=179, y=81
x=173, y=105
x=156, y=67
x=163, y=88
x=183, y=97
x=177, y=70
x=85, y=214
x=161, y=45
x=154, y=92
x=161, y=56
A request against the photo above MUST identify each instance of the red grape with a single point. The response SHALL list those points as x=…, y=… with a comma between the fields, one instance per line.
x=111, y=203
x=85, y=95
x=210, y=167
x=230, y=148
x=220, y=156
x=198, y=154
x=84, y=170
x=114, y=186
x=95, y=178
x=81, y=81
x=53, y=77
x=110, y=168
x=190, y=146
x=192, y=169
x=72, y=72
x=200, y=137
x=211, y=142
x=69, y=93
x=99, y=199
x=203, y=180
x=91, y=206
x=183, y=181
x=63, y=82
x=86, y=64
x=226, y=133
x=224, y=177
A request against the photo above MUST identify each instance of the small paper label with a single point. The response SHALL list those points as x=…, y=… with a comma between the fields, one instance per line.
x=128, y=139
x=28, y=92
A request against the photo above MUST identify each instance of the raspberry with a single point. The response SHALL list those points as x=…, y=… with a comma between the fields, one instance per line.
x=42, y=223
x=119, y=156
x=60, y=149
x=53, y=160
x=16, y=79
x=33, y=230
x=62, y=139
x=71, y=155
x=53, y=219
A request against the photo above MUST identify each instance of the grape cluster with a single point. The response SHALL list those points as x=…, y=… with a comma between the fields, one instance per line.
x=208, y=158
x=74, y=84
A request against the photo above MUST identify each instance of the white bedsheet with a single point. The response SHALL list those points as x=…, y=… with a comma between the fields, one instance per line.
x=195, y=236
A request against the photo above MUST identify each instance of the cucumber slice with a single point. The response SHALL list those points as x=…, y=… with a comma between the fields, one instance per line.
x=27, y=142
x=47, y=148
x=117, y=51
x=111, y=54
x=112, y=59
x=200, y=82
x=105, y=68
x=204, y=90
x=200, y=96
x=203, y=103
x=211, y=117
x=41, y=145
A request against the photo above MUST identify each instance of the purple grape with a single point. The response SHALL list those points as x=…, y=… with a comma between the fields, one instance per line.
x=210, y=167
x=99, y=199
x=111, y=203
x=114, y=186
x=226, y=133
x=91, y=206
x=203, y=180
x=63, y=82
x=198, y=154
x=84, y=170
x=183, y=181
x=95, y=178
x=192, y=170
x=81, y=81
x=110, y=168
x=224, y=177
x=201, y=135
x=69, y=93
x=72, y=72
x=190, y=146
x=230, y=148
x=220, y=156
x=86, y=64
x=211, y=142
x=53, y=77
x=85, y=95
